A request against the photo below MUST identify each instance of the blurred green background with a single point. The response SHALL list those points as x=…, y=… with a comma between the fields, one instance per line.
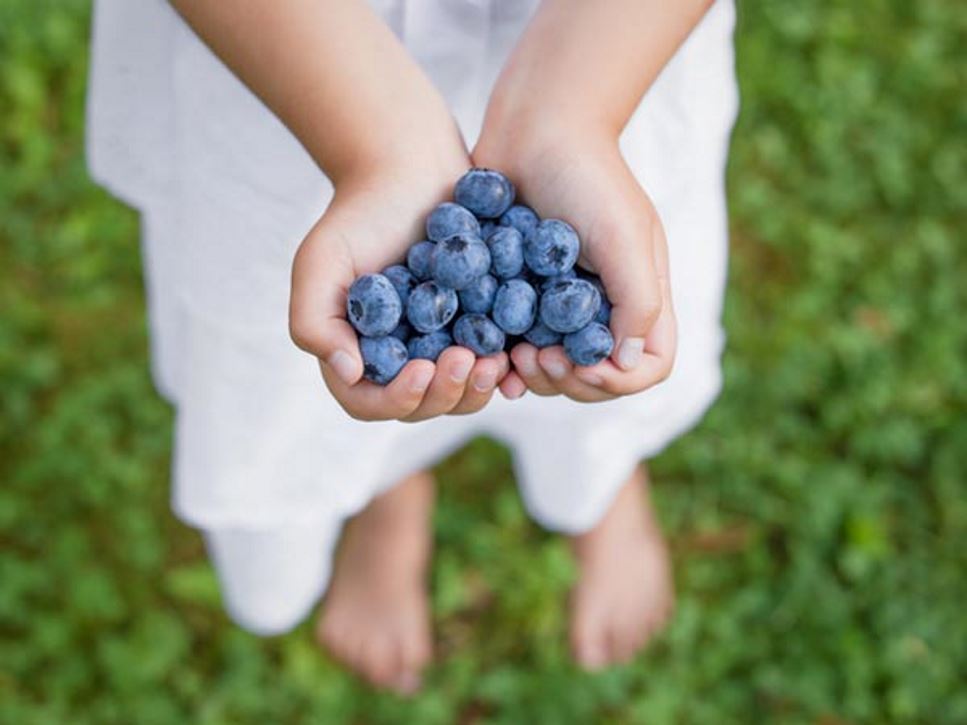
x=818, y=515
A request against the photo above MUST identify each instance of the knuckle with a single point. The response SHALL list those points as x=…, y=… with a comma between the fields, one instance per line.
x=300, y=330
x=665, y=371
x=651, y=307
x=357, y=414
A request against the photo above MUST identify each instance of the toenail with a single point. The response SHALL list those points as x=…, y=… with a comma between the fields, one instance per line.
x=593, y=658
x=408, y=683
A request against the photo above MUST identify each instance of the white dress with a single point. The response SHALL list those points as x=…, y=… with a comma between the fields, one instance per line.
x=226, y=195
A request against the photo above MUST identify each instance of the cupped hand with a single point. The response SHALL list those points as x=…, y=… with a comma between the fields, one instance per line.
x=372, y=221
x=579, y=175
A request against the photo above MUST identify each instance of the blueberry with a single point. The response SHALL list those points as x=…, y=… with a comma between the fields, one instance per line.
x=589, y=345
x=520, y=217
x=484, y=192
x=429, y=347
x=402, y=280
x=479, y=295
x=506, y=247
x=541, y=336
x=604, y=312
x=487, y=227
x=450, y=219
x=373, y=306
x=569, y=304
x=515, y=307
x=431, y=306
x=478, y=333
x=418, y=259
x=403, y=331
x=547, y=282
x=383, y=358
x=551, y=248
x=459, y=260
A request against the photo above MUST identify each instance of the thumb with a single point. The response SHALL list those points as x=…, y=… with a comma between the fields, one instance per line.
x=632, y=280
x=321, y=275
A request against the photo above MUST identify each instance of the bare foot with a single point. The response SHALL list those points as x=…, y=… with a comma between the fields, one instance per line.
x=375, y=618
x=624, y=591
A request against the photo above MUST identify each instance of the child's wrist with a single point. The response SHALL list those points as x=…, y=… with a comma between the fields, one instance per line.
x=516, y=136
x=426, y=142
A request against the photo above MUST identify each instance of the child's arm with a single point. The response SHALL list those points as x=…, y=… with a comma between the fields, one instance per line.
x=553, y=124
x=345, y=86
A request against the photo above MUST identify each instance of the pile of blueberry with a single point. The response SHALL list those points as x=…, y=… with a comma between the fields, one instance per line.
x=489, y=274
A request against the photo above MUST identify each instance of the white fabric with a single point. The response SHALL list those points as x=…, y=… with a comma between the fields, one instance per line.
x=271, y=579
x=227, y=194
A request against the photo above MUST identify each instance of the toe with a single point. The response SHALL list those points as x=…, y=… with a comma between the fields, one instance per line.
x=589, y=642
x=379, y=662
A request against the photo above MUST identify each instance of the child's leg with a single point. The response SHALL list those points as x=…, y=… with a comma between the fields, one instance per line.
x=272, y=578
x=375, y=618
x=624, y=591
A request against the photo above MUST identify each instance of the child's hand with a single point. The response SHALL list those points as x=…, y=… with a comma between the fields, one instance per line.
x=372, y=221
x=578, y=174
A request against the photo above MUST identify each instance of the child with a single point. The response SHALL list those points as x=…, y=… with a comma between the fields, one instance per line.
x=341, y=124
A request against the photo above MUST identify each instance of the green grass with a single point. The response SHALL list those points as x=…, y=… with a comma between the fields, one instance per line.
x=817, y=516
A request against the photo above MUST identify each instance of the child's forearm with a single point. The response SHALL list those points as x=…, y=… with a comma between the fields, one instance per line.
x=331, y=70
x=590, y=62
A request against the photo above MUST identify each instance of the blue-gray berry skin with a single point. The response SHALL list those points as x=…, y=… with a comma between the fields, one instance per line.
x=383, y=358
x=589, y=345
x=569, y=304
x=418, y=259
x=403, y=331
x=479, y=295
x=429, y=346
x=520, y=217
x=373, y=305
x=541, y=336
x=547, y=282
x=604, y=312
x=459, y=260
x=450, y=219
x=431, y=306
x=551, y=248
x=487, y=227
x=515, y=307
x=478, y=333
x=506, y=247
x=402, y=280
x=485, y=192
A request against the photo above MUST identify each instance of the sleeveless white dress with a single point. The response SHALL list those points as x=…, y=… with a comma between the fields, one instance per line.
x=265, y=461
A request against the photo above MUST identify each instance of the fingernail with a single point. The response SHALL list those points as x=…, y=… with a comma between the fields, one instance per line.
x=343, y=365
x=556, y=369
x=528, y=368
x=421, y=381
x=484, y=382
x=516, y=393
x=590, y=378
x=461, y=371
x=630, y=352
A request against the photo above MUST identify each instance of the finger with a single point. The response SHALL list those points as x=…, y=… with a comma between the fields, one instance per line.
x=655, y=365
x=368, y=401
x=449, y=384
x=635, y=291
x=317, y=306
x=512, y=386
x=560, y=370
x=524, y=357
x=486, y=373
